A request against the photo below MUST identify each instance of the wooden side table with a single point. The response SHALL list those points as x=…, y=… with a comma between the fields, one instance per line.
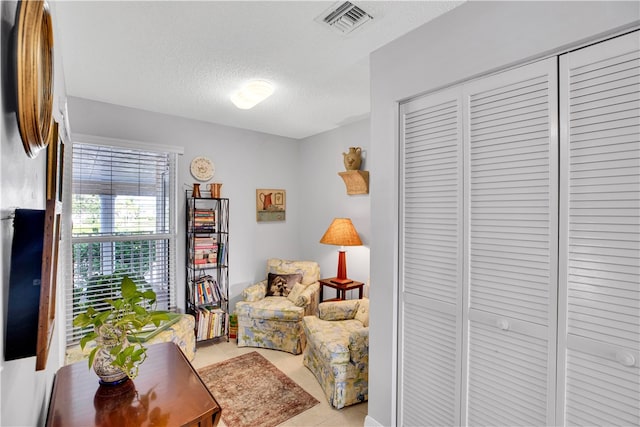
x=167, y=391
x=341, y=289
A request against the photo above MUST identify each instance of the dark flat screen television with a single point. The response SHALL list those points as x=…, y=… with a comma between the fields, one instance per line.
x=24, y=284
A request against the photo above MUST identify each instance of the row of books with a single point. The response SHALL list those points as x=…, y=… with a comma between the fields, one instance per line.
x=205, y=290
x=205, y=251
x=209, y=259
x=204, y=220
x=211, y=323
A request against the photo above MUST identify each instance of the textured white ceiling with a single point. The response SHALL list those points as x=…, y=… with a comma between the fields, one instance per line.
x=185, y=58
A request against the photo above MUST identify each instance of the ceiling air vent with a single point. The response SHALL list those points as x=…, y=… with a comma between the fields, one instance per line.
x=344, y=17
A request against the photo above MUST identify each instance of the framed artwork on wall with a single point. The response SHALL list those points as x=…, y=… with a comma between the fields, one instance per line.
x=271, y=205
x=50, y=250
x=55, y=156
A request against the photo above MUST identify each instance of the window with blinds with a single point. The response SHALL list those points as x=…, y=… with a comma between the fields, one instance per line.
x=122, y=225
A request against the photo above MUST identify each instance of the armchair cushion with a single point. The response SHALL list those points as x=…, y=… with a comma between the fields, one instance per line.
x=338, y=310
x=273, y=308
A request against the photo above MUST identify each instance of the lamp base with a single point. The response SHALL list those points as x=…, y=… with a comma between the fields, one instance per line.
x=341, y=281
x=341, y=277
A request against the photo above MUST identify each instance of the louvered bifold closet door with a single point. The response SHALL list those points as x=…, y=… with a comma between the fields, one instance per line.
x=430, y=260
x=599, y=370
x=510, y=280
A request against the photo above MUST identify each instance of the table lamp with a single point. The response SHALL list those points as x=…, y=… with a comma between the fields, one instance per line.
x=342, y=233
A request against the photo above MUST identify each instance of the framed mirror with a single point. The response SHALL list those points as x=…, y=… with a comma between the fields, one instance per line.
x=34, y=75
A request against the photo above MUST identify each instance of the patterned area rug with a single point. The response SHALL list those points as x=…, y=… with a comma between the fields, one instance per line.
x=253, y=392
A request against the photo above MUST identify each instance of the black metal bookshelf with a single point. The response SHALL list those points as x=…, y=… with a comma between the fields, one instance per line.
x=207, y=266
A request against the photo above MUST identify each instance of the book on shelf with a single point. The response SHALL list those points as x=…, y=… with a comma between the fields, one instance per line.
x=207, y=291
x=205, y=241
x=199, y=293
x=204, y=252
x=204, y=220
x=222, y=252
x=211, y=323
x=205, y=263
x=204, y=212
x=216, y=292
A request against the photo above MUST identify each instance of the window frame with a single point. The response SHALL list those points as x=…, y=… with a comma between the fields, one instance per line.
x=171, y=235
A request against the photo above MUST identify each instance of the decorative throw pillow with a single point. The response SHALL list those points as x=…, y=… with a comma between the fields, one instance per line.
x=296, y=297
x=363, y=312
x=281, y=284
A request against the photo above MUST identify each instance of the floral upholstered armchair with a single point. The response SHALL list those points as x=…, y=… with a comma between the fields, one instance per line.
x=337, y=350
x=270, y=315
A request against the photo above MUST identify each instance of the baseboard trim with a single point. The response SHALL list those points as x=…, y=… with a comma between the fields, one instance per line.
x=371, y=422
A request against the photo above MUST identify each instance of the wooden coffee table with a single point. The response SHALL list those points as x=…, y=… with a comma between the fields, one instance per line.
x=168, y=391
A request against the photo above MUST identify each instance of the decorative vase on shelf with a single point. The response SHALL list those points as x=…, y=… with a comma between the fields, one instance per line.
x=214, y=188
x=353, y=158
x=196, y=190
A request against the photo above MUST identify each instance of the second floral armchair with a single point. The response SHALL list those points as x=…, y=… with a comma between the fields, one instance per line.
x=270, y=315
x=337, y=350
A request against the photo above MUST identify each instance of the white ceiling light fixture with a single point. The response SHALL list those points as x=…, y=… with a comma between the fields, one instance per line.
x=251, y=94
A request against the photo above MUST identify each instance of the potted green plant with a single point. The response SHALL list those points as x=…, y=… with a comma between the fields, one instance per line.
x=114, y=358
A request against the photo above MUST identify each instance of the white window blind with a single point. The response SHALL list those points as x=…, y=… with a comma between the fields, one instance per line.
x=122, y=225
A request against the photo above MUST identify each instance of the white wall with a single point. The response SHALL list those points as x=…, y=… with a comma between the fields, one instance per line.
x=472, y=39
x=244, y=160
x=24, y=393
x=324, y=197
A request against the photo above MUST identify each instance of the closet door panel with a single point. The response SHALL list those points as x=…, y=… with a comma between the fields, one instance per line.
x=601, y=392
x=600, y=235
x=430, y=260
x=429, y=365
x=511, y=253
x=509, y=384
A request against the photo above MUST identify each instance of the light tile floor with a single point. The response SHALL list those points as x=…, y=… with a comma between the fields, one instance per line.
x=320, y=415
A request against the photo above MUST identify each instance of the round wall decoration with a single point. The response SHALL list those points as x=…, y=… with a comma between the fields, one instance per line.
x=34, y=75
x=202, y=168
